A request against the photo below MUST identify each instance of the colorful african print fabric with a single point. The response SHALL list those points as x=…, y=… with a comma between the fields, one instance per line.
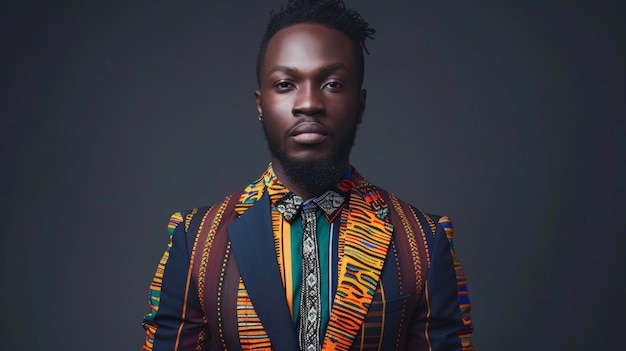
x=228, y=277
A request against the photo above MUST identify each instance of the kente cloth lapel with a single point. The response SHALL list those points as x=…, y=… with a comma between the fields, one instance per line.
x=366, y=239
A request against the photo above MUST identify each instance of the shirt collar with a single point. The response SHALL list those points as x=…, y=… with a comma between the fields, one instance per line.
x=330, y=202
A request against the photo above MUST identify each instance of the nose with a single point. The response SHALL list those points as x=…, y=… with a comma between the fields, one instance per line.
x=309, y=101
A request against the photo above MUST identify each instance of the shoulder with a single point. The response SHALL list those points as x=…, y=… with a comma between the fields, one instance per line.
x=193, y=217
x=182, y=219
x=412, y=214
x=395, y=204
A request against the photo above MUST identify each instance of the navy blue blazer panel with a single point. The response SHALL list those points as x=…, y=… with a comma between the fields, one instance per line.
x=400, y=285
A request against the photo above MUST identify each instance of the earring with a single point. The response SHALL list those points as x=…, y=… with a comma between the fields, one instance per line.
x=260, y=118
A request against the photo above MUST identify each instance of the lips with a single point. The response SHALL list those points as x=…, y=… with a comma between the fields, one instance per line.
x=309, y=133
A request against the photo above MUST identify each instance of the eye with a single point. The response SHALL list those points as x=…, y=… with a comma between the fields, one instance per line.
x=334, y=85
x=283, y=85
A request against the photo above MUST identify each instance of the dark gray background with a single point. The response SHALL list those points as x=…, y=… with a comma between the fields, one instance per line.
x=506, y=117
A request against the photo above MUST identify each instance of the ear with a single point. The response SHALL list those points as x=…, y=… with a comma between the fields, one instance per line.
x=362, y=99
x=257, y=98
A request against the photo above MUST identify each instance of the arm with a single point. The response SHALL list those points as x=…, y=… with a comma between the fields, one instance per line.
x=176, y=319
x=442, y=320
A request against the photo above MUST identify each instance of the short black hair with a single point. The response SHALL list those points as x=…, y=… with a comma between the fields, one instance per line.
x=330, y=13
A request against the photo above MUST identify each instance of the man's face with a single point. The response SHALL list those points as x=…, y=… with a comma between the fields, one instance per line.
x=310, y=95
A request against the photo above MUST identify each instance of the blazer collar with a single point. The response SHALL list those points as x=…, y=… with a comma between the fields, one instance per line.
x=366, y=237
x=252, y=243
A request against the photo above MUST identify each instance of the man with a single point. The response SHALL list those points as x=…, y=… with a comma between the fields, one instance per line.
x=310, y=256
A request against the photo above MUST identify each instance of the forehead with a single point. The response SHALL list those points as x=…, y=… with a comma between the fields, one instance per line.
x=306, y=45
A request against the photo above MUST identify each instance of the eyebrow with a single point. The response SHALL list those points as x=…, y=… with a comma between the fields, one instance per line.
x=284, y=69
x=293, y=70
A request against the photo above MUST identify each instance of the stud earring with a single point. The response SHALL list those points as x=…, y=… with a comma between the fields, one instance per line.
x=260, y=118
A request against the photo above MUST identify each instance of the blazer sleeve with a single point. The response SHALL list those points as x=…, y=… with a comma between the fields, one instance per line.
x=176, y=320
x=442, y=321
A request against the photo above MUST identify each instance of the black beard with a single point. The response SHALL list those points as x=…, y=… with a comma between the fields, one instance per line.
x=313, y=175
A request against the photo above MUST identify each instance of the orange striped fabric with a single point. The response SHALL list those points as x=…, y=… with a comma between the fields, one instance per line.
x=464, y=303
x=157, y=281
x=367, y=236
x=252, y=335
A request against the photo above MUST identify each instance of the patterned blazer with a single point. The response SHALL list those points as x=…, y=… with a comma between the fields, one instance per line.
x=399, y=285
